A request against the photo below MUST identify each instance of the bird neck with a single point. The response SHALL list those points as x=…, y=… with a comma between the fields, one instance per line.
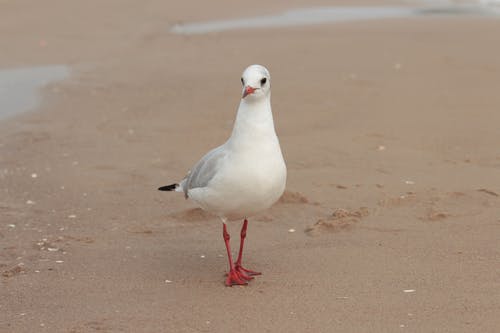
x=253, y=121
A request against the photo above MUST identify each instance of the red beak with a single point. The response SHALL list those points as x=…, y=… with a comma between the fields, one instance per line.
x=248, y=90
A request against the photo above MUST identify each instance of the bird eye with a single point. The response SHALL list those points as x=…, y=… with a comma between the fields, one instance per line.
x=242, y=81
x=263, y=81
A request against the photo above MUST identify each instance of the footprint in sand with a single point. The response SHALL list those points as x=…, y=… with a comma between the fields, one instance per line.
x=435, y=215
x=341, y=219
x=290, y=197
x=192, y=215
x=432, y=205
x=409, y=198
x=13, y=271
x=60, y=243
x=484, y=190
x=98, y=325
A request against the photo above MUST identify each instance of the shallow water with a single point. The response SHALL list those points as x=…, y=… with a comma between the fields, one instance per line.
x=297, y=17
x=321, y=15
x=19, y=88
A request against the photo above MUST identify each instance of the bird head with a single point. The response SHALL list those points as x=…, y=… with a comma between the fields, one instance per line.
x=256, y=82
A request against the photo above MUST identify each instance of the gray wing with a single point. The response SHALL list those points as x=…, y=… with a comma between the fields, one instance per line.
x=206, y=168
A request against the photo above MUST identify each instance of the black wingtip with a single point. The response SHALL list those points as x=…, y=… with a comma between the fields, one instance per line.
x=170, y=187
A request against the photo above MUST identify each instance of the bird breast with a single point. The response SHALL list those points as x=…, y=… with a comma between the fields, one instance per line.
x=252, y=182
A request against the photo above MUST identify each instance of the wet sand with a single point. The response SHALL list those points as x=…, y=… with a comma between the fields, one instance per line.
x=390, y=133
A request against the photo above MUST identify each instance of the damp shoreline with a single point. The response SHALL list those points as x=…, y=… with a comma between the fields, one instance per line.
x=20, y=87
x=331, y=15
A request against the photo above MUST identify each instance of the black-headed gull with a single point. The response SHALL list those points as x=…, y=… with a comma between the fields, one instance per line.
x=246, y=174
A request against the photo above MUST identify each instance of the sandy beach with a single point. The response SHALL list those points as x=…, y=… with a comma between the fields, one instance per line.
x=390, y=128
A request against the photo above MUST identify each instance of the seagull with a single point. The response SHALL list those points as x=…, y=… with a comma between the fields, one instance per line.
x=246, y=174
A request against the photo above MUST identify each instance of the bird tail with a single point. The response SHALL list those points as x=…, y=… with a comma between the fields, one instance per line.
x=171, y=187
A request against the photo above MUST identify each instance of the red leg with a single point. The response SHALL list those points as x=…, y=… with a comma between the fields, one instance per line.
x=246, y=273
x=233, y=277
